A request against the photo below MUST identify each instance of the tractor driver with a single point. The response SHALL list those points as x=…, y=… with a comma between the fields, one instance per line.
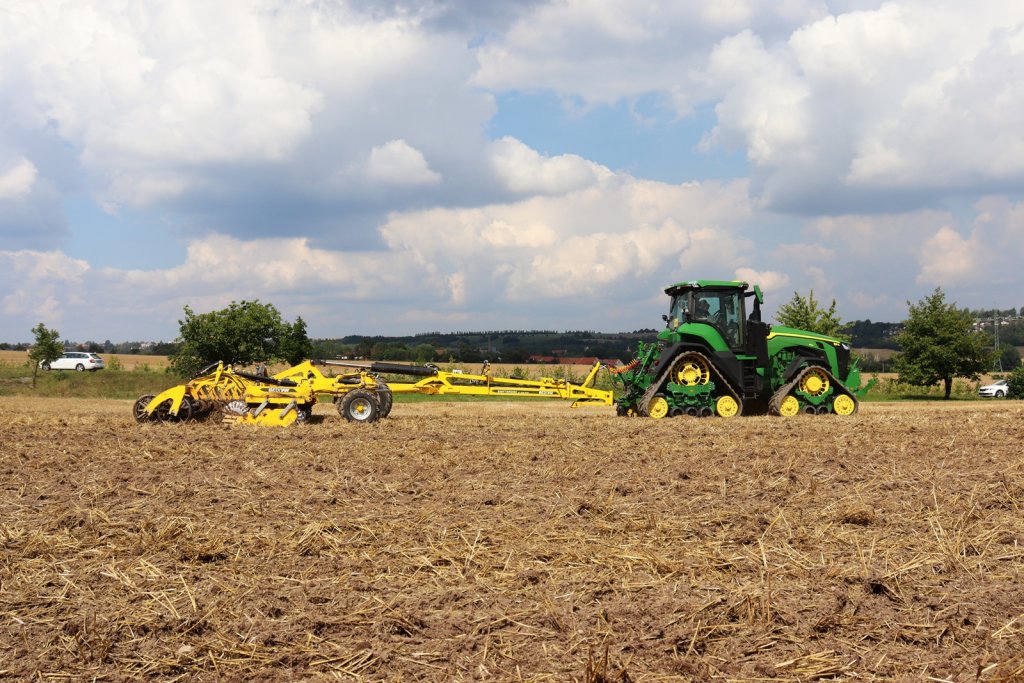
x=703, y=309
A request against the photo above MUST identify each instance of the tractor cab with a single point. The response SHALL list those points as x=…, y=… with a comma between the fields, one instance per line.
x=720, y=304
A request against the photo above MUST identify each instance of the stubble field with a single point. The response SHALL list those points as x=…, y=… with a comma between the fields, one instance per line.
x=513, y=541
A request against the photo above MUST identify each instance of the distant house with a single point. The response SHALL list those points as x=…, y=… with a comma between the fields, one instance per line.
x=580, y=360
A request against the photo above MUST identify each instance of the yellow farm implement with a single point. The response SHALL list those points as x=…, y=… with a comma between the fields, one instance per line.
x=359, y=393
x=276, y=400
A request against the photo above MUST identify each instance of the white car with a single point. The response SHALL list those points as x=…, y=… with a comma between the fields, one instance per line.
x=998, y=389
x=74, y=360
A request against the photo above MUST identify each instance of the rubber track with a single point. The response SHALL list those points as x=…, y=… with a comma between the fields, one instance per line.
x=645, y=400
x=776, y=401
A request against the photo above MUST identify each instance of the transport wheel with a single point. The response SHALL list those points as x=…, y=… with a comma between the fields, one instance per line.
x=726, y=406
x=814, y=382
x=691, y=370
x=359, y=406
x=789, y=407
x=385, y=399
x=185, y=410
x=46, y=366
x=80, y=368
x=844, y=405
x=139, y=409
x=658, y=407
x=163, y=411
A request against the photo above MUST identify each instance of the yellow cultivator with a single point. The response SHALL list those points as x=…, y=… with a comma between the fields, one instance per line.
x=276, y=400
x=359, y=393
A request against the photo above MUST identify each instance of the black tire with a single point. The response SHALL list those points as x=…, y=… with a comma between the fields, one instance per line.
x=79, y=368
x=185, y=410
x=385, y=399
x=163, y=411
x=359, y=406
x=139, y=409
x=46, y=366
x=1000, y=394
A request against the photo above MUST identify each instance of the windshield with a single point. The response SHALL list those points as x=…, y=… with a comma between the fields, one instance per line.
x=677, y=312
x=724, y=310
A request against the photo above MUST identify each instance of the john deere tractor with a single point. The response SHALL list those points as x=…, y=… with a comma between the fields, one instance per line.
x=716, y=357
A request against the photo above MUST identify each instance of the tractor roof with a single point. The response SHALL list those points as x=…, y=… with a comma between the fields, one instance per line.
x=701, y=284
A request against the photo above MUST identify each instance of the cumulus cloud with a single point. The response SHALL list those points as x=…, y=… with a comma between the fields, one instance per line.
x=985, y=254
x=773, y=283
x=398, y=163
x=607, y=51
x=526, y=171
x=334, y=157
x=852, y=110
x=17, y=181
x=41, y=285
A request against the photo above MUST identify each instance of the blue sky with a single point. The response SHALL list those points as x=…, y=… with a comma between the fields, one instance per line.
x=404, y=166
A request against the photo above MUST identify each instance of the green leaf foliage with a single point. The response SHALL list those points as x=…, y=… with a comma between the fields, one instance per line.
x=47, y=347
x=807, y=314
x=241, y=334
x=939, y=343
x=1015, y=383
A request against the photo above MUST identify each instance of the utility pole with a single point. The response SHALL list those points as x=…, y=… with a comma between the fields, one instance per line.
x=995, y=332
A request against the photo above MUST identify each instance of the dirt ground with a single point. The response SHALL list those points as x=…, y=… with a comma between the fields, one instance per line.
x=513, y=541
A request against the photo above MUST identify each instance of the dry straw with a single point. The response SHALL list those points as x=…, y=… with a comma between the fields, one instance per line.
x=513, y=541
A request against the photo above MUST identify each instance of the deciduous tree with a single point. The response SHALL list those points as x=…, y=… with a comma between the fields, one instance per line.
x=939, y=343
x=807, y=314
x=46, y=349
x=241, y=334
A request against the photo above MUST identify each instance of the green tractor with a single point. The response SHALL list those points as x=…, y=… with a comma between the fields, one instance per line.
x=715, y=359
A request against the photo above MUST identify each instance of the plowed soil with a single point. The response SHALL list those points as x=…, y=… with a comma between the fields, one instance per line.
x=513, y=541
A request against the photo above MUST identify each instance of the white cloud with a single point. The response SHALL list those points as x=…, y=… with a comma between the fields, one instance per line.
x=41, y=286
x=398, y=163
x=988, y=255
x=773, y=283
x=525, y=171
x=17, y=181
x=608, y=50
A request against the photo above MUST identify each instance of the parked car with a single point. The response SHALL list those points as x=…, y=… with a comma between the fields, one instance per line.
x=998, y=389
x=74, y=360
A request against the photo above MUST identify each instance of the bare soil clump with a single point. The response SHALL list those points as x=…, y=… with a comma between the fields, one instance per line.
x=513, y=541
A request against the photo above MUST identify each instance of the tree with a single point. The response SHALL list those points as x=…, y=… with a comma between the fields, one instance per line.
x=939, y=343
x=47, y=348
x=295, y=345
x=806, y=314
x=1015, y=383
x=243, y=333
x=1009, y=358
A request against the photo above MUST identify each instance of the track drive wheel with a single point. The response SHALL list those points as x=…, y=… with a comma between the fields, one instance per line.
x=139, y=409
x=691, y=370
x=789, y=407
x=658, y=407
x=727, y=406
x=814, y=382
x=359, y=406
x=844, y=405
